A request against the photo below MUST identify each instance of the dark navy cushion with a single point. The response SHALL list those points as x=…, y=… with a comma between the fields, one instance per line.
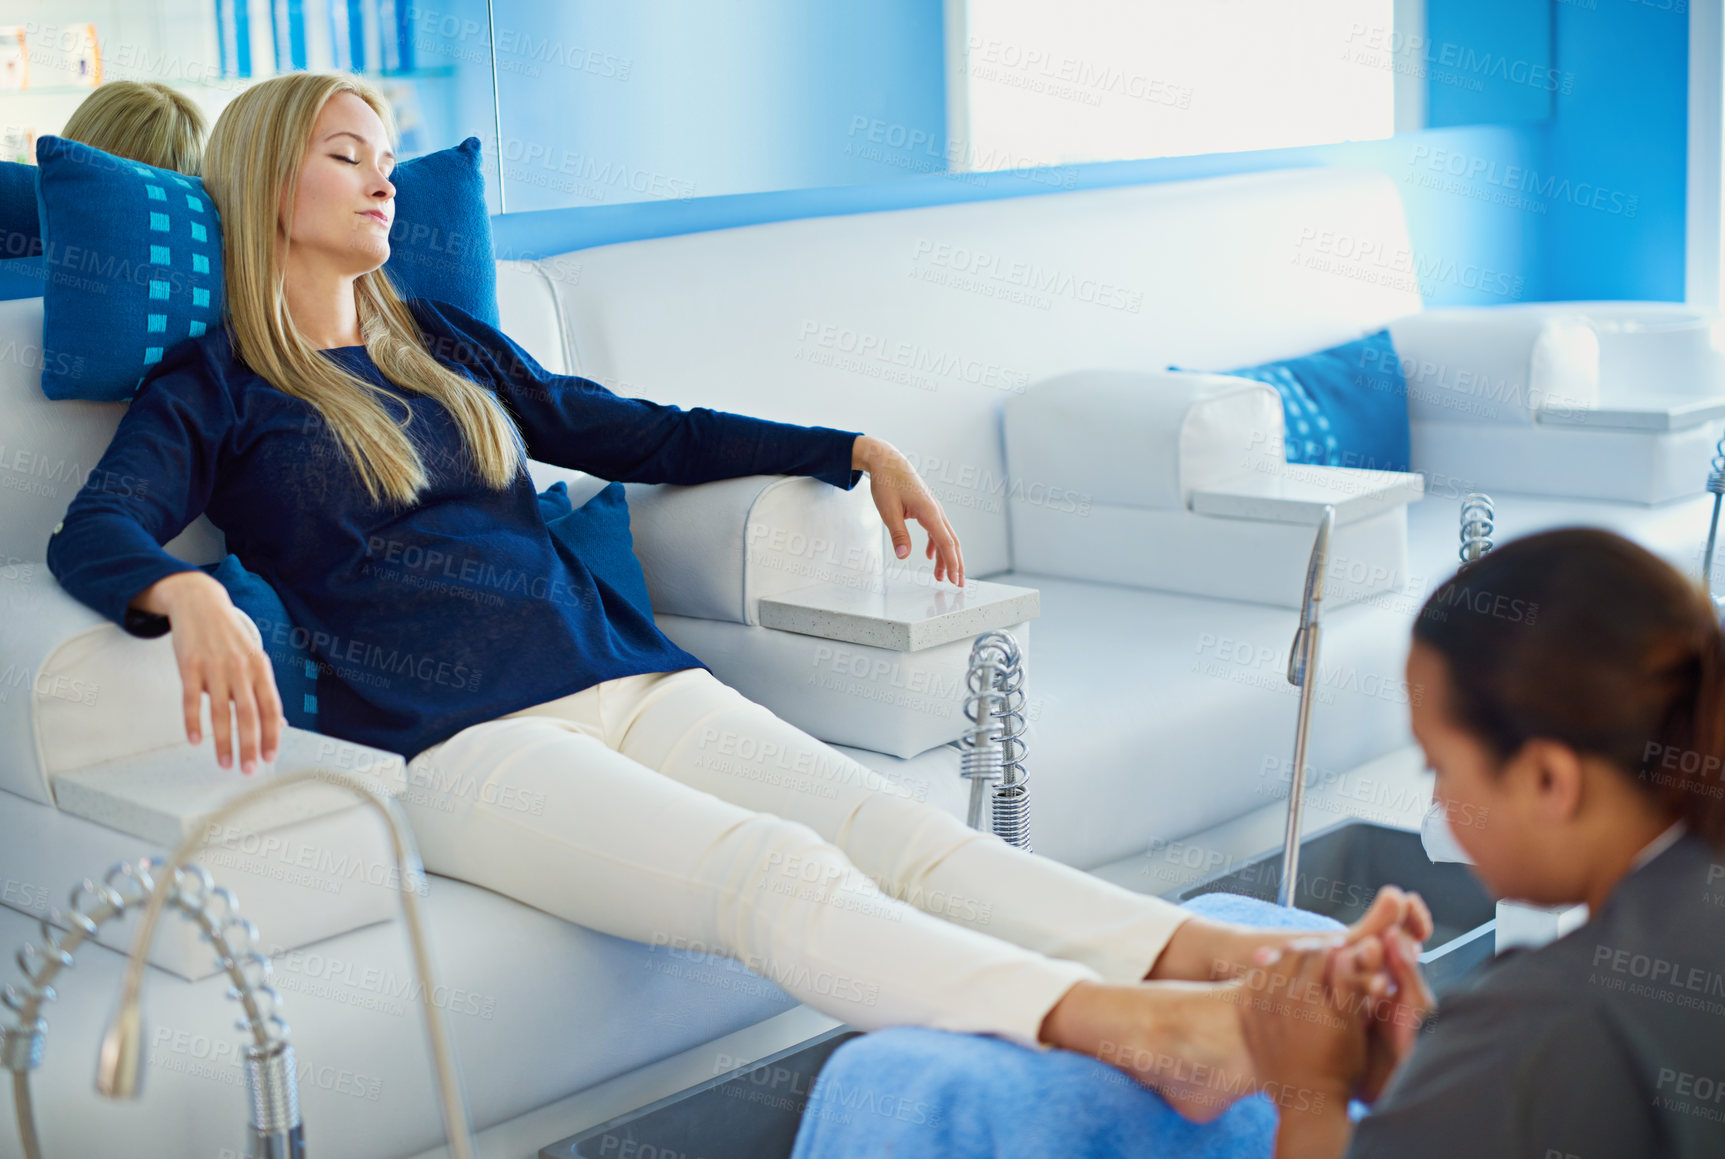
x=440, y=242
x=20, y=228
x=133, y=258
x=134, y=264
x=289, y=650
x=597, y=533
x=21, y=278
x=1346, y=406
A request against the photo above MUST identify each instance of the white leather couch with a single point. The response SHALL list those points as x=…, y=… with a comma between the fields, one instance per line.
x=1016, y=351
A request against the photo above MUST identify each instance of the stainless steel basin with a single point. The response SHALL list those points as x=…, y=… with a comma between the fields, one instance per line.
x=749, y=1112
x=1341, y=869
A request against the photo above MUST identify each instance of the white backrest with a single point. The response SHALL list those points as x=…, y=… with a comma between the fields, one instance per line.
x=49, y=448
x=527, y=312
x=915, y=324
x=912, y=325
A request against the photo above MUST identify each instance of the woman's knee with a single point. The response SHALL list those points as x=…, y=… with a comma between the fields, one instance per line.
x=789, y=857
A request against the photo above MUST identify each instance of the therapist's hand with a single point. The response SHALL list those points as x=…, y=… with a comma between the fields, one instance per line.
x=1387, y=969
x=1306, y=1027
x=900, y=494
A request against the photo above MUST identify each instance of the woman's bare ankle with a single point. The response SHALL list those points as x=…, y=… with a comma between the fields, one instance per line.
x=1065, y=1025
x=1180, y=1039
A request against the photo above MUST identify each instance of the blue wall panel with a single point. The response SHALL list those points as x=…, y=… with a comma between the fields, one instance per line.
x=1588, y=203
x=1616, y=152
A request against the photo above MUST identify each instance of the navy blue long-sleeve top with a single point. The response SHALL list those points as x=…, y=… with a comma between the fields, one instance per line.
x=426, y=619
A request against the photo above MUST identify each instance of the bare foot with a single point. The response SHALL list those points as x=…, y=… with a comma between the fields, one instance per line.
x=1180, y=1039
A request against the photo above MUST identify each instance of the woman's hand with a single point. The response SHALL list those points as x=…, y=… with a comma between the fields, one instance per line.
x=217, y=655
x=900, y=493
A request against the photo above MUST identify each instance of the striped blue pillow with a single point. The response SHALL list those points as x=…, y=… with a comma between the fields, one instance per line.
x=133, y=258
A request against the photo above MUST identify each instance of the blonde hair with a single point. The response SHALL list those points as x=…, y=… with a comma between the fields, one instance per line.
x=251, y=171
x=141, y=120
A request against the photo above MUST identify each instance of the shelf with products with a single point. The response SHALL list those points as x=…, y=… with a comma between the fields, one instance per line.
x=226, y=82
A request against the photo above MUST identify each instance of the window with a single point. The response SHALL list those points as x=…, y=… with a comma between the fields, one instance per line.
x=1035, y=83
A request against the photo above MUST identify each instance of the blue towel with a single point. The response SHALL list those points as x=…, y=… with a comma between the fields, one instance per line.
x=915, y=1093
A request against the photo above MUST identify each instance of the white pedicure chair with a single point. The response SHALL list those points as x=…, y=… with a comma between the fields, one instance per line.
x=1016, y=350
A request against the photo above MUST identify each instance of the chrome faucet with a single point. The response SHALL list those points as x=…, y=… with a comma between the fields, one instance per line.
x=128, y=885
x=274, y=1127
x=1302, y=666
x=1715, y=484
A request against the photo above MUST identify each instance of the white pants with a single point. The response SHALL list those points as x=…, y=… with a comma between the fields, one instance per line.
x=671, y=809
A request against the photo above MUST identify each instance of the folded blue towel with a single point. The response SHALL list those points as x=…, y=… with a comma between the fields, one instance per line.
x=915, y=1093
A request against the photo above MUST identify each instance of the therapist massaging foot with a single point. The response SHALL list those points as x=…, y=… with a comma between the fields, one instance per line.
x=1181, y=1035
x=1578, y=757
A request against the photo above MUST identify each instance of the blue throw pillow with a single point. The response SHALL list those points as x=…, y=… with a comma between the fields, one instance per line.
x=20, y=228
x=440, y=242
x=597, y=532
x=22, y=278
x=134, y=263
x=1345, y=407
x=133, y=256
x=289, y=651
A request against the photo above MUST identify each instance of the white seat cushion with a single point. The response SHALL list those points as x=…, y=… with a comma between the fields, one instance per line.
x=1152, y=715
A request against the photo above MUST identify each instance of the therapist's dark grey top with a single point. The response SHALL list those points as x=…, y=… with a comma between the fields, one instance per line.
x=1608, y=1042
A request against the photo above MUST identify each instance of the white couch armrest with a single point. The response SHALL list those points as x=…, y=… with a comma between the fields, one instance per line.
x=1594, y=400
x=1496, y=366
x=1138, y=439
x=712, y=551
x=77, y=690
x=1177, y=482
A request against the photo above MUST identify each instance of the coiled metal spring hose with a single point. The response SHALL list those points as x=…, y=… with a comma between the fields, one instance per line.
x=993, y=749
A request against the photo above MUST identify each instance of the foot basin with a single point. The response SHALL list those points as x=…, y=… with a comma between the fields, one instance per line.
x=1340, y=871
x=750, y=1112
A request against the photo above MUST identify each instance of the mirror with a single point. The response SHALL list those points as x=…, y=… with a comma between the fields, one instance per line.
x=54, y=53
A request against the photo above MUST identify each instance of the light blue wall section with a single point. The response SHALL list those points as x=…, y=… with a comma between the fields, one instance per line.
x=1589, y=203
x=604, y=103
x=450, y=34
x=1616, y=152
x=1488, y=62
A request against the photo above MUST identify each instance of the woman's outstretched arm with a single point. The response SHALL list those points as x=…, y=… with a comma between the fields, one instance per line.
x=574, y=422
x=154, y=479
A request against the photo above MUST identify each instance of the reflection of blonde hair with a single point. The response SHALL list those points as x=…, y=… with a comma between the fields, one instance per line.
x=251, y=170
x=143, y=120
